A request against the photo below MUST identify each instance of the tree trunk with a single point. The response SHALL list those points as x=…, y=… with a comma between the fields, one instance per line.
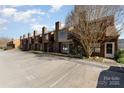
x=88, y=54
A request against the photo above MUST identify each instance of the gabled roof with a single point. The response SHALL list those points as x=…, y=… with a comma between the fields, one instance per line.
x=111, y=31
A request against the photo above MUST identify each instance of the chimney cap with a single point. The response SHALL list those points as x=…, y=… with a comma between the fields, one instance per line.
x=23, y=35
x=57, y=21
x=29, y=33
x=20, y=37
x=35, y=30
x=43, y=27
x=58, y=25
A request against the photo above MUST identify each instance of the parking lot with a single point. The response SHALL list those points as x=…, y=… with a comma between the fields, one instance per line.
x=28, y=70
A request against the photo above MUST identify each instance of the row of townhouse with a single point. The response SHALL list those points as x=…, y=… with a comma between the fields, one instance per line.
x=10, y=44
x=52, y=41
x=62, y=41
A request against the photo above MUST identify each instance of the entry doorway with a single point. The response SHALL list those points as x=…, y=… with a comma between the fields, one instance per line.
x=45, y=47
x=109, y=49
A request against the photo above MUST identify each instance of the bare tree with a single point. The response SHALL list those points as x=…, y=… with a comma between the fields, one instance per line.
x=89, y=24
x=3, y=41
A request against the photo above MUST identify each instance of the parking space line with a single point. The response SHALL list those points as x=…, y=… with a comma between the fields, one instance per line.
x=61, y=78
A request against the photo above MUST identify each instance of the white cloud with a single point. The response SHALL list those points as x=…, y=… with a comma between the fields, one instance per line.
x=34, y=11
x=3, y=23
x=62, y=25
x=51, y=28
x=37, y=27
x=26, y=15
x=8, y=12
x=48, y=16
x=21, y=16
x=55, y=8
x=34, y=20
x=14, y=6
x=17, y=15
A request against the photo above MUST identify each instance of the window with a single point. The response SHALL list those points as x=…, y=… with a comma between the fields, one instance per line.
x=96, y=47
x=109, y=48
x=97, y=50
x=65, y=47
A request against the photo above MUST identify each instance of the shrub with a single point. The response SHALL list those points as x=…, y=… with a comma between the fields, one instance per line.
x=120, y=57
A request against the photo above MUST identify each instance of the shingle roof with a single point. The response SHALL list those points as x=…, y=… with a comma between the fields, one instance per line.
x=111, y=31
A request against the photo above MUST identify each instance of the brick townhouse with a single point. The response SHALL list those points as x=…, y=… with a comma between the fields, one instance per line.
x=62, y=41
x=53, y=41
x=10, y=44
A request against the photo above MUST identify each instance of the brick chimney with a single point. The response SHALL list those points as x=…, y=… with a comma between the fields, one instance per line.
x=57, y=28
x=44, y=29
x=20, y=42
x=23, y=36
x=29, y=35
x=34, y=33
x=20, y=37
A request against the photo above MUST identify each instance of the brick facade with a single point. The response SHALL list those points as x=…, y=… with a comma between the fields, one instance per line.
x=51, y=41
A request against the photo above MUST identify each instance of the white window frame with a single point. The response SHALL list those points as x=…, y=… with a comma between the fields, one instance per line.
x=113, y=50
x=96, y=47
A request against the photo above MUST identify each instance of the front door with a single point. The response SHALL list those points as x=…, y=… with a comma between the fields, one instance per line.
x=45, y=47
x=109, y=49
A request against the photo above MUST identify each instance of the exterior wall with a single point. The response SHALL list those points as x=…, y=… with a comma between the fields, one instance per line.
x=10, y=45
x=16, y=43
x=56, y=47
x=56, y=44
x=101, y=53
x=29, y=41
x=116, y=46
x=36, y=42
x=53, y=44
x=25, y=44
x=64, y=48
x=102, y=47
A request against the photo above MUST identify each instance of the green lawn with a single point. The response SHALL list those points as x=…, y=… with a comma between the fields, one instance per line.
x=120, y=57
